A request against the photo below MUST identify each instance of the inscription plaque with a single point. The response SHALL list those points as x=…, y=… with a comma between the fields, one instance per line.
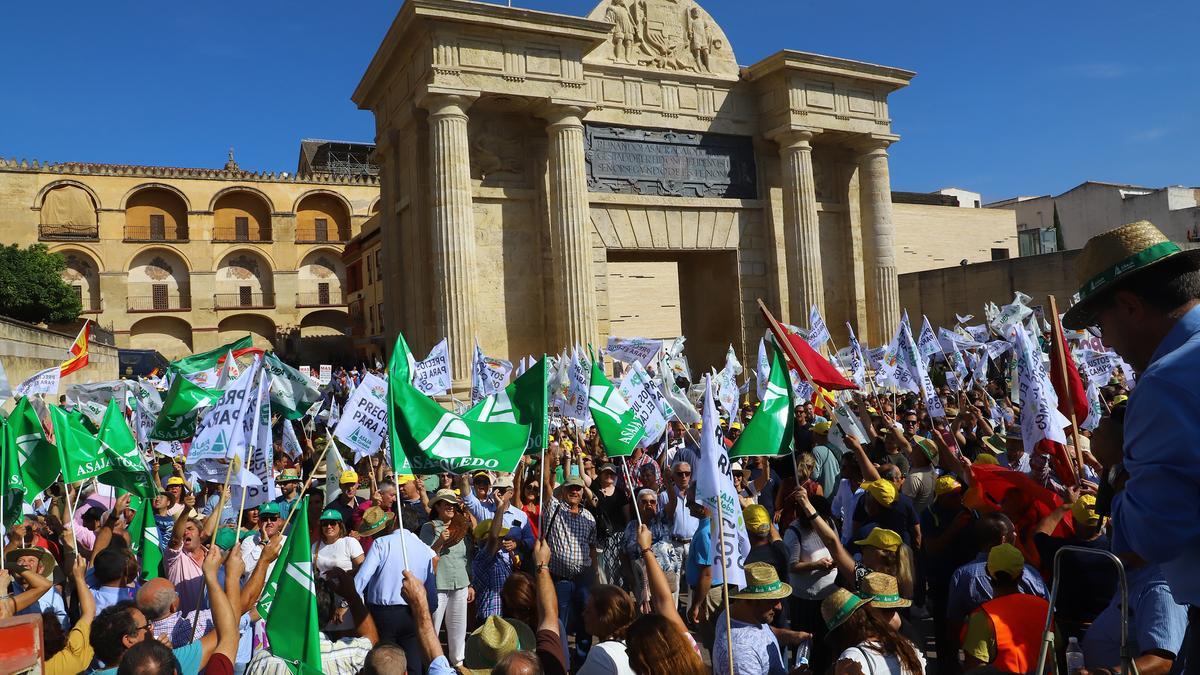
x=669, y=163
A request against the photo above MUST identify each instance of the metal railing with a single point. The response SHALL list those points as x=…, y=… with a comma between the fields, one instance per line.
x=92, y=306
x=68, y=232
x=310, y=235
x=330, y=299
x=244, y=301
x=148, y=233
x=233, y=234
x=149, y=303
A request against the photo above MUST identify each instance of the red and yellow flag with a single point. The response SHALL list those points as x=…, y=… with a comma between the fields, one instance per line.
x=79, y=351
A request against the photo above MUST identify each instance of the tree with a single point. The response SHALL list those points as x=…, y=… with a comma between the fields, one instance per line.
x=1058, y=231
x=32, y=288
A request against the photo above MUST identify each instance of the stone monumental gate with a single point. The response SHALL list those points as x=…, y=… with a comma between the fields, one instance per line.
x=550, y=180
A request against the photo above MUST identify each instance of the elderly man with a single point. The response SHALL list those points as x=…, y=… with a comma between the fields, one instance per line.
x=672, y=503
x=39, y=561
x=757, y=645
x=484, y=495
x=646, y=503
x=270, y=528
x=347, y=501
x=1143, y=292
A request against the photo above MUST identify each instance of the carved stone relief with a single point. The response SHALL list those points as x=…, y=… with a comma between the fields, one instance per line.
x=498, y=150
x=668, y=34
x=669, y=163
x=159, y=269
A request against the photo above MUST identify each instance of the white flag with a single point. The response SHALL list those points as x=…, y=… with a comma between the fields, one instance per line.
x=963, y=319
x=259, y=455
x=432, y=376
x=714, y=489
x=647, y=402
x=912, y=361
x=818, y=332
x=857, y=367
x=953, y=340
x=927, y=343
x=334, y=466
x=229, y=371
x=1040, y=417
x=762, y=371
x=92, y=398
x=579, y=380
x=489, y=375
x=631, y=350
x=221, y=433
x=291, y=444
x=1095, y=407
x=364, y=419
x=680, y=404
x=41, y=382
x=1011, y=314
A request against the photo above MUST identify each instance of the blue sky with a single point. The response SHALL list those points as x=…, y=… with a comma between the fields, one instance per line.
x=1011, y=97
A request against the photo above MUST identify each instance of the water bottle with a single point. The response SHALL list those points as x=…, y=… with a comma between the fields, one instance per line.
x=802, y=651
x=1074, y=656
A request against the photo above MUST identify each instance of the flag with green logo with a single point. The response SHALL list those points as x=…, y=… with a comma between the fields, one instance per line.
x=78, y=449
x=177, y=419
x=525, y=401
x=36, y=455
x=129, y=471
x=289, y=602
x=292, y=392
x=13, y=488
x=617, y=423
x=208, y=360
x=430, y=439
x=769, y=432
x=143, y=538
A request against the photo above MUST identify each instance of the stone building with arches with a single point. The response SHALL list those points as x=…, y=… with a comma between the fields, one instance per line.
x=182, y=260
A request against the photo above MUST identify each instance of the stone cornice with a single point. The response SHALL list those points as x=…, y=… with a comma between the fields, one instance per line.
x=141, y=171
x=787, y=59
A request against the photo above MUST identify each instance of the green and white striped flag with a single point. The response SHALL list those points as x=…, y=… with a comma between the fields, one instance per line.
x=38, y=458
x=525, y=401
x=289, y=602
x=143, y=537
x=180, y=409
x=769, y=432
x=129, y=471
x=617, y=423
x=78, y=449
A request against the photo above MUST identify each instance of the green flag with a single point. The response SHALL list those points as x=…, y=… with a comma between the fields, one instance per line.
x=432, y=439
x=143, y=536
x=78, y=449
x=177, y=420
x=208, y=360
x=289, y=602
x=13, y=488
x=618, y=425
x=292, y=392
x=525, y=401
x=769, y=432
x=38, y=457
x=129, y=470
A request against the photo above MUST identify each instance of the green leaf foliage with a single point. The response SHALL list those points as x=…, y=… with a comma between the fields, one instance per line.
x=32, y=288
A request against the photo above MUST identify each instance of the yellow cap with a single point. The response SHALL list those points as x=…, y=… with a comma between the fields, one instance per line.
x=736, y=425
x=1084, y=510
x=821, y=427
x=882, y=539
x=1006, y=558
x=985, y=458
x=481, y=530
x=883, y=490
x=174, y=480
x=567, y=444
x=946, y=484
x=758, y=521
x=348, y=476
x=1119, y=399
x=402, y=478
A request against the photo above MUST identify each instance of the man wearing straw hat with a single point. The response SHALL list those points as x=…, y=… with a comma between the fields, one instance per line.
x=1143, y=292
x=756, y=644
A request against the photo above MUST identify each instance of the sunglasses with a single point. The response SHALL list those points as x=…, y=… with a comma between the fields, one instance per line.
x=532, y=488
x=330, y=523
x=268, y=519
x=683, y=473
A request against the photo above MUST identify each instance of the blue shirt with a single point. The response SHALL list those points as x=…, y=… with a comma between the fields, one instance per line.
x=700, y=555
x=514, y=517
x=684, y=524
x=970, y=587
x=1155, y=622
x=51, y=600
x=382, y=573
x=188, y=656
x=1157, y=515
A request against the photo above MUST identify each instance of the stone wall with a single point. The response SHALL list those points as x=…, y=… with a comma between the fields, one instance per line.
x=931, y=237
x=26, y=349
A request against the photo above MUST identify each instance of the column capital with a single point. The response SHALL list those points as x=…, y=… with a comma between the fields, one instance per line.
x=447, y=104
x=874, y=145
x=562, y=114
x=793, y=136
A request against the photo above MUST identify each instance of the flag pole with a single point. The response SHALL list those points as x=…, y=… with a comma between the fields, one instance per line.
x=304, y=490
x=629, y=482
x=725, y=580
x=1060, y=345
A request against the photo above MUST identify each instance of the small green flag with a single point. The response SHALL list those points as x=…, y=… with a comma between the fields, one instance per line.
x=430, y=439
x=13, y=489
x=289, y=602
x=292, y=392
x=618, y=425
x=143, y=536
x=129, y=470
x=525, y=401
x=208, y=360
x=79, y=450
x=38, y=458
x=769, y=432
x=177, y=420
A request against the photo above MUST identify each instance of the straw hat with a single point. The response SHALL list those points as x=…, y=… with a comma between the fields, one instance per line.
x=884, y=592
x=1114, y=255
x=374, y=519
x=762, y=583
x=494, y=640
x=838, y=607
x=44, y=557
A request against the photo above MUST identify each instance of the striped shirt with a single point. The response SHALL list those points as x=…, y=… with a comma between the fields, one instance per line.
x=344, y=657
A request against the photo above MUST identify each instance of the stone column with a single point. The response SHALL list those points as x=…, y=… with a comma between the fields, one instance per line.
x=452, y=229
x=570, y=227
x=875, y=196
x=802, y=232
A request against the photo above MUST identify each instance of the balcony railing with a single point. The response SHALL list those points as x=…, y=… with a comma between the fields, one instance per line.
x=68, y=232
x=330, y=299
x=147, y=303
x=311, y=235
x=243, y=301
x=233, y=234
x=92, y=306
x=148, y=233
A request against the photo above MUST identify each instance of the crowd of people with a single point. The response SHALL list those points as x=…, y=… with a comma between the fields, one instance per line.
x=930, y=545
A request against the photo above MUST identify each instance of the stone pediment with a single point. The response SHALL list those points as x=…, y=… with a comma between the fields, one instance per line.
x=674, y=36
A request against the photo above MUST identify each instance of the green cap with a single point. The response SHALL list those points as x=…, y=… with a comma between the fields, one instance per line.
x=226, y=538
x=331, y=514
x=268, y=509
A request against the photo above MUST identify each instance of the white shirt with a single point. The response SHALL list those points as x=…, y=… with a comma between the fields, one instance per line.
x=807, y=547
x=607, y=658
x=684, y=525
x=340, y=554
x=874, y=663
x=251, y=550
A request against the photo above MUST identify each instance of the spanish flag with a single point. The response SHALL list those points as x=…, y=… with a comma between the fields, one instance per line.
x=79, y=351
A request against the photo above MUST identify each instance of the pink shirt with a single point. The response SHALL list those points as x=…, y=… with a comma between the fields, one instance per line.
x=187, y=575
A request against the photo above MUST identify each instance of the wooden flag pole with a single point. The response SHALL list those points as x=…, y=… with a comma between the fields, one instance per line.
x=1060, y=345
x=629, y=482
x=304, y=490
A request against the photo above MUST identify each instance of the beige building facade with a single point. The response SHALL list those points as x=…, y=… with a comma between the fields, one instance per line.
x=550, y=180
x=182, y=260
